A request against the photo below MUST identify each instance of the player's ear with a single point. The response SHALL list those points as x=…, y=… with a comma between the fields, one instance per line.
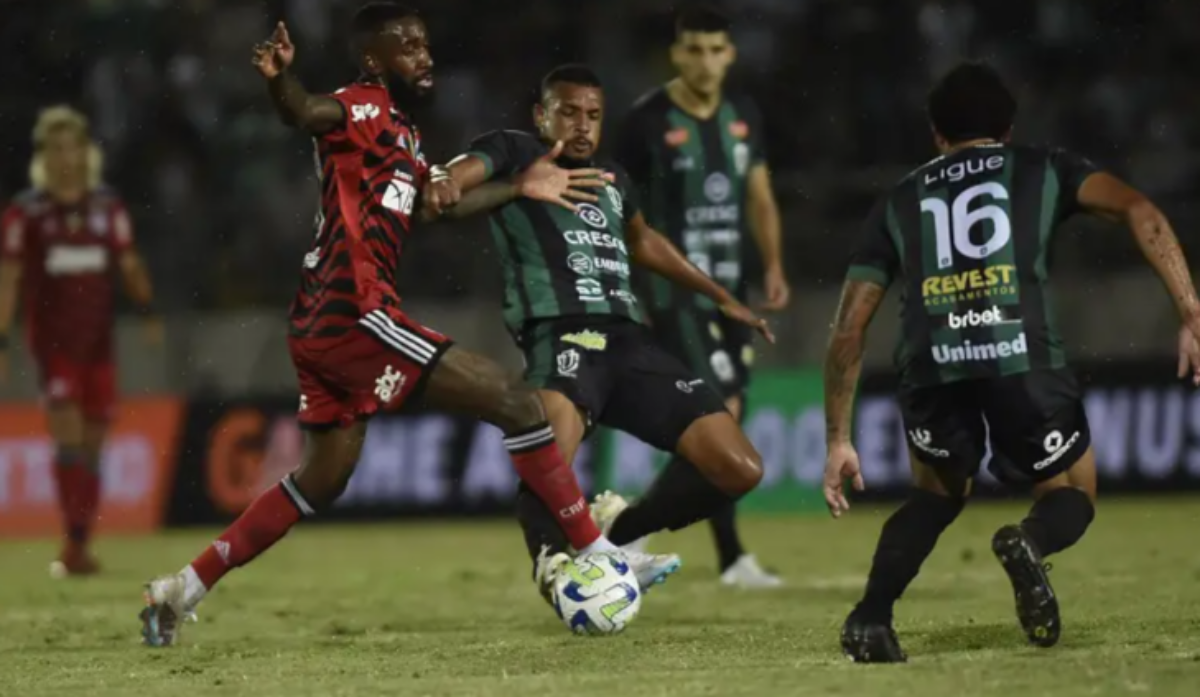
x=370, y=65
x=733, y=55
x=677, y=53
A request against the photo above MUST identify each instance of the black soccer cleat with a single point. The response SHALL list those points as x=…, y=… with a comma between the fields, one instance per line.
x=866, y=641
x=1037, y=606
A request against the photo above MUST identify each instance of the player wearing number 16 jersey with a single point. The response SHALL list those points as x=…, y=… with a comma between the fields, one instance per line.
x=355, y=350
x=966, y=237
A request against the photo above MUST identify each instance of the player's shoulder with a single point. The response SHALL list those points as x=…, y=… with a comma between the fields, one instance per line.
x=105, y=196
x=743, y=104
x=363, y=101
x=29, y=202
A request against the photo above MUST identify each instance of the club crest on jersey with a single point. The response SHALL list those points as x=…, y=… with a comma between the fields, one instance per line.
x=588, y=339
x=592, y=215
x=568, y=363
x=614, y=198
x=741, y=158
x=388, y=385
x=717, y=187
x=676, y=137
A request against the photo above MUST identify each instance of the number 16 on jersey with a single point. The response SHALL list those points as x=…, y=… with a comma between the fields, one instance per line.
x=952, y=223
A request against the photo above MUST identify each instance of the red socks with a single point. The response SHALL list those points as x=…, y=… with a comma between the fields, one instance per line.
x=259, y=527
x=78, y=495
x=537, y=460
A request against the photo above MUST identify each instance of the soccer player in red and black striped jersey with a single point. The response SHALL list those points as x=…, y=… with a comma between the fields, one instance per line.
x=355, y=351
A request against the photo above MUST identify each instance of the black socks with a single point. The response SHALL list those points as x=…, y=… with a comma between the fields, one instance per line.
x=907, y=539
x=1058, y=520
x=679, y=497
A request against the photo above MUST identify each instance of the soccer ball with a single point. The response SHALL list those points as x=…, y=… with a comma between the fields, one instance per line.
x=597, y=594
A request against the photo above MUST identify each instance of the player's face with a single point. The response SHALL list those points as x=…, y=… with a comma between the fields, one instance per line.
x=401, y=56
x=65, y=158
x=703, y=59
x=574, y=115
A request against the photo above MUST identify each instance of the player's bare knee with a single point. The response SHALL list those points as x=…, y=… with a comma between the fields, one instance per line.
x=518, y=410
x=745, y=471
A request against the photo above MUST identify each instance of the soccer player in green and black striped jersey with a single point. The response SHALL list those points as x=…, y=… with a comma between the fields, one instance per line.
x=966, y=238
x=697, y=154
x=569, y=304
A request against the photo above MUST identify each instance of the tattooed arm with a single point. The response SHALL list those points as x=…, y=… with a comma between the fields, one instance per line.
x=1104, y=194
x=843, y=358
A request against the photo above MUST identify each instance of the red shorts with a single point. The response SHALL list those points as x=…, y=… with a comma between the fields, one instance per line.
x=92, y=385
x=378, y=365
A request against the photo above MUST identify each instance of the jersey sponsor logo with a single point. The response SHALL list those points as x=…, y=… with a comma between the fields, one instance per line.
x=567, y=363
x=717, y=187
x=741, y=158
x=400, y=194
x=581, y=264
x=988, y=282
x=623, y=295
x=971, y=318
x=739, y=129
x=615, y=198
x=389, y=384
x=958, y=171
x=677, y=137
x=595, y=238
x=591, y=215
x=722, y=365
x=70, y=260
x=687, y=386
x=922, y=440
x=589, y=290
x=707, y=215
x=967, y=351
x=363, y=112
x=1055, y=447
x=588, y=339
x=683, y=163
x=303, y=404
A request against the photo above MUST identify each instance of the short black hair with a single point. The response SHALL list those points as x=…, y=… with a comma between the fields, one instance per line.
x=370, y=19
x=971, y=101
x=571, y=74
x=706, y=19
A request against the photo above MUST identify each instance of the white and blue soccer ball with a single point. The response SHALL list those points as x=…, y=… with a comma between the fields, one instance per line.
x=597, y=594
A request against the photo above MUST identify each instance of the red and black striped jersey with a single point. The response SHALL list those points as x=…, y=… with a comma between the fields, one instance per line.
x=371, y=170
x=68, y=255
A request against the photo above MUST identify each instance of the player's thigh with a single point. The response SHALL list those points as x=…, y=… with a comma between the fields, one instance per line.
x=62, y=393
x=946, y=436
x=570, y=365
x=98, y=400
x=330, y=455
x=1039, y=429
x=470, y=384
x=1080, y=475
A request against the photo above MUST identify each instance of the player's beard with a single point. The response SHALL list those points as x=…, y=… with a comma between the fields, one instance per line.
x=405, y=95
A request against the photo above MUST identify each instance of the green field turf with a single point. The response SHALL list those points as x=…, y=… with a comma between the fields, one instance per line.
x=446, y=609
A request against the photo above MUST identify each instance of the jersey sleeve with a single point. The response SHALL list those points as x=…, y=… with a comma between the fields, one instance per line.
x=13, y=227
x=756, y=132
x=359, y=112
x=122, y=227
x=876, y=259
x=1072, y=170
x=504, y=152
x=631, y=200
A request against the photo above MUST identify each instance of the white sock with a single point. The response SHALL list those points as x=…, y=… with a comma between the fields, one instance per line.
x=193, y=588
x=600, y=545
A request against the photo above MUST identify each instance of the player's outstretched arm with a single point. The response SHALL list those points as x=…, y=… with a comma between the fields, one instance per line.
x=1106, y=195
x=843, y=366
x=651, y=250
x=12, y=238
x=767, y=229
x=297, y=108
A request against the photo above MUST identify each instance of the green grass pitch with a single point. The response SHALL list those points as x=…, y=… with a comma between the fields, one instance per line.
x=447, y=609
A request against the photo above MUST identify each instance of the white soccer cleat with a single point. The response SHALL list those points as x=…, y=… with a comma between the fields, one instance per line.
x=605, y=509
x=652, y=569
x=546, y=571
x=165, y=610
x=746, y=573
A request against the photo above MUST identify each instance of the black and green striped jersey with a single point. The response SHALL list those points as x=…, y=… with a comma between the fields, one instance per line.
x=692, y=177
x=558, y=263
x=968, y=236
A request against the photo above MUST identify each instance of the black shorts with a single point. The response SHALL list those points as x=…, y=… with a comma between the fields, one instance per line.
x=617, y=376
x=714, y=347
x=1035, y=421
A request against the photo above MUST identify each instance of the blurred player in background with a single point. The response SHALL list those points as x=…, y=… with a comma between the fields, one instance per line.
x=967, y=236
x=355, y=351
x=697, y=155
x=570, y=306
x=63, y=242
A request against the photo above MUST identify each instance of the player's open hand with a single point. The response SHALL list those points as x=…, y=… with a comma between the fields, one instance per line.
x=841, y=464
x=1189, y=351
x=274, y=55
x=778, y=291
x=546, y=181
x=738, y=312
x=441, y=192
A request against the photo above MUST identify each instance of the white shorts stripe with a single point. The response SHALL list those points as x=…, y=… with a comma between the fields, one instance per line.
x=398, y=341
x=418, y=342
